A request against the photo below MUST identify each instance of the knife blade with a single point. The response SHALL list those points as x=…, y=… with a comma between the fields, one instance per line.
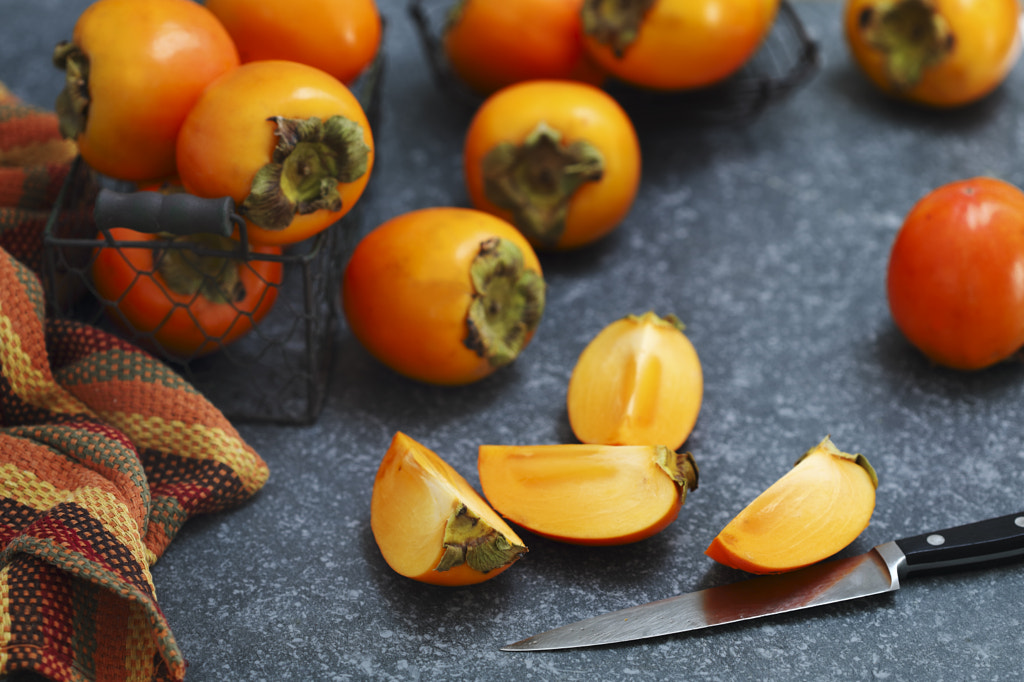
x=875, y=572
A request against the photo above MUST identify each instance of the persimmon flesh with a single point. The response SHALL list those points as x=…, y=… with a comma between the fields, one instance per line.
x=587, y=494
x=816, y=509
x=638, y=382
x=429, y=523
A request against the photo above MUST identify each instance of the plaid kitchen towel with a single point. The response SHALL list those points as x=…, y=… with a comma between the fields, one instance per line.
x=104, y=454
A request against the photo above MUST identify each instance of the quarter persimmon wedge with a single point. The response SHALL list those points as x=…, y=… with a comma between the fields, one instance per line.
x=816, y=509
x=638, y=382
x=429, y=523
x=587, y=494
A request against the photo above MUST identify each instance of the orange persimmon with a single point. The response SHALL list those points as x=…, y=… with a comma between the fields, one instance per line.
x=638, y=382
x=133, y=71
x=429, y=523
x=493, y=44
x=557, y=159
x=816, y=509
x=587, y=494
x=341, y=37
x=675, y=44
x=444, y=295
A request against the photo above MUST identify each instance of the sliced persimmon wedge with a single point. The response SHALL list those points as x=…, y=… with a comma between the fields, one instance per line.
x=429, y=523
x=816, y=509
x=587, y=494
x=638, y=382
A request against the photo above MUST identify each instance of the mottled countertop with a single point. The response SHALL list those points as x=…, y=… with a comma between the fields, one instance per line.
x=770, y=239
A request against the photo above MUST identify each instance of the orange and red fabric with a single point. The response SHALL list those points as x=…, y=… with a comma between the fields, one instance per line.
x=105, y=452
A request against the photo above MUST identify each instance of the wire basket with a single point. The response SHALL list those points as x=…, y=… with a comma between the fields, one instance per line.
x=280, y=371
x=787, y=59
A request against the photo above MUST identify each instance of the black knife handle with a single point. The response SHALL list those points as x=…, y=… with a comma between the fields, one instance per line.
x=153, y=212
x=973, y=544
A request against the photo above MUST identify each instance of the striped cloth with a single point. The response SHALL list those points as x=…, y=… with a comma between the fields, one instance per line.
x=104, y=454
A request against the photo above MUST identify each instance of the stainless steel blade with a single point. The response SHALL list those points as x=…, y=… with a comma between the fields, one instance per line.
x=839, y=580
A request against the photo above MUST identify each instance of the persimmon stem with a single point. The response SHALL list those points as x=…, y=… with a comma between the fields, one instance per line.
x=911, y=35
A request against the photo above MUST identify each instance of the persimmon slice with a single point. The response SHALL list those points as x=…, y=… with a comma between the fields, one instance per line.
x=638, y=382
x=429, y=523
x=587, y=494
x=816, y=509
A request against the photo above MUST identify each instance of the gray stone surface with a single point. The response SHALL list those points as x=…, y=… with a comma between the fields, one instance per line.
x=770, y=240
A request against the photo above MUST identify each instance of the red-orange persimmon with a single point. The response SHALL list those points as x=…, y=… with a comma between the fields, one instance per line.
x=956, y=274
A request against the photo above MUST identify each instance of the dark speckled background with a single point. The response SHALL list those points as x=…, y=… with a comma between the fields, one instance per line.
x=770, y=241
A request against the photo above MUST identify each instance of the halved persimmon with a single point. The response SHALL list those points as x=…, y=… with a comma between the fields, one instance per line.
x=429, y=523
x=638, y=382
x=587, y=494
x=816, y=509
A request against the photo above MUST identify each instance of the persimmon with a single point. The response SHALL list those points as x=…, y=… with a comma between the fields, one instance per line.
x=557, y=159
x=429, y=523
x=587, y=494
x=493, y=44
x=340, y=37
x=444, y=295
x=134, y=70
x=289, y=143
x=675, y=44
x=939, y=53
x=638, y=382
x=816, y=509
x=954, y=280
x=184, y=302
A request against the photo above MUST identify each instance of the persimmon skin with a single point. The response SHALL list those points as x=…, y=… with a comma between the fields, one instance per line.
x=986, y=44
x=228, y=136
x=815, y=510
x=688, y=44
x=148, y=64
x=340, y=37
x=407, y=290
x=585, y=494
x=579, y=112
x=638, y=382
x=953, y=281
x=185, y=326
x=494, y=44
x=414, y=494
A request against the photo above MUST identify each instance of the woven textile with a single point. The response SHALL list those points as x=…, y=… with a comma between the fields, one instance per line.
x=104, y=454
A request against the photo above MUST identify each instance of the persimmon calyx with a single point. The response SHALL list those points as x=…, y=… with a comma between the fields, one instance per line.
x=310, y=159
x=680, y=467
x=201, y=271
x=536, y=180
x=72, y=105
x=829, y=448
x=911, y=35
x=508, y=302
x=469, y=540
x=614, y=23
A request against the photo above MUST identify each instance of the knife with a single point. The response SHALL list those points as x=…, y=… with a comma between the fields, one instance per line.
x=875, y=572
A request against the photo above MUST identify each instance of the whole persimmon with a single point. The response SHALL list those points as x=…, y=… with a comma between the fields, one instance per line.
x=134, y=70
x=444, y=295
x=184, y=302
x=939, y=53
x=492, y=44
x=557, y=159
x=675, y=44
x=289, y=143
x=954, y=280
x=341, y=37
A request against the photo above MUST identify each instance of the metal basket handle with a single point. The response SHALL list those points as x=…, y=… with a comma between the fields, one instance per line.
x=152, y=212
